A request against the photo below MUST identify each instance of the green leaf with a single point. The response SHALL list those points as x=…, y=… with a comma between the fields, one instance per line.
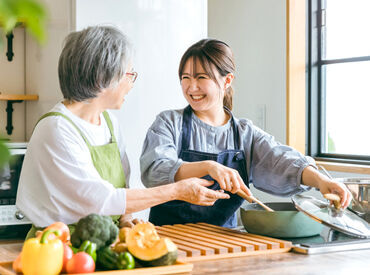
x=29, y=12
x=4, y=154
x=33, y=15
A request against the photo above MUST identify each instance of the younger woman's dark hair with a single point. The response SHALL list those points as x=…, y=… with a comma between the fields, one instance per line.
x=212, y=53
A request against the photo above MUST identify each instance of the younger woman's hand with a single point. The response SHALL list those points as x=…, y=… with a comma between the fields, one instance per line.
x=330, y=186
x=194, y=190
x=228, y=178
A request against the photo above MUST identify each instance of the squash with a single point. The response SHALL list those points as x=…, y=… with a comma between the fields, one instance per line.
x=123, y=233
x=148, y=248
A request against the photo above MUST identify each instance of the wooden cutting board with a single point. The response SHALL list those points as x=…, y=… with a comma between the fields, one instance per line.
x=201, y=241
x=178, y=267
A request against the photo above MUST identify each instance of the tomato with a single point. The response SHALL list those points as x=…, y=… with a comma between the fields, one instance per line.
x=63, y=228
x=81, y=262
x=68, y=254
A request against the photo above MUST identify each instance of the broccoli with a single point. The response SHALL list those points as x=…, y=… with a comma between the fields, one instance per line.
x=95, y=228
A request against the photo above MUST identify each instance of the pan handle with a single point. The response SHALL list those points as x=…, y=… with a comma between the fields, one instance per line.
x=252, y=198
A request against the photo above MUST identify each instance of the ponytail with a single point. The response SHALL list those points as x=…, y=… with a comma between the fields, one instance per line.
x=228, y=98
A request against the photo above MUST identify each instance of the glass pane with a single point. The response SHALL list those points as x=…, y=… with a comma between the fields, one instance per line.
x=347, y=108
x=347, y=28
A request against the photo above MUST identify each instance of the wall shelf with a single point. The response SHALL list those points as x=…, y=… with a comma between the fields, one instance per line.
x=6, y=97
x=14, y=98
x=9, y=38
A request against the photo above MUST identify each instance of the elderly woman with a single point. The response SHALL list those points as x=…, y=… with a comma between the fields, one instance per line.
x=76, y=162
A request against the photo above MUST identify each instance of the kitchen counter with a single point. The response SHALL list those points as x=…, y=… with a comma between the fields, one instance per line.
x=353, y=262
x=348, y=262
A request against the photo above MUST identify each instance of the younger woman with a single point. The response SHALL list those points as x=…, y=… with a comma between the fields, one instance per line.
x=205, y=139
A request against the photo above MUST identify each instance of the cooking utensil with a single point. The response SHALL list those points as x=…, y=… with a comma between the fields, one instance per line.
x=252, y=198
x=285, y=222
x=343, y=221
x=360, y=190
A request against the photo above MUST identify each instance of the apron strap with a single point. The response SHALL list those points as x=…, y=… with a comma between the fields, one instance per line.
x=235, y=130
x=105, y=114
x=67, y=118
x=110, y=125
x=186, y=129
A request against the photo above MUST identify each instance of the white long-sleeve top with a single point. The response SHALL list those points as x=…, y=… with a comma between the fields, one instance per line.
x=58, y=181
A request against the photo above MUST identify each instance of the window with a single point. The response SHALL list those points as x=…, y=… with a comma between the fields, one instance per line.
x=338, y=52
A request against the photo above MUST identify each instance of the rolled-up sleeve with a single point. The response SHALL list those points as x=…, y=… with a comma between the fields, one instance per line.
x=159, y=160
x=276, y=168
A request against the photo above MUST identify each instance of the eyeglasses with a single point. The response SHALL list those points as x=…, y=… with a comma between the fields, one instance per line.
x=133, y=76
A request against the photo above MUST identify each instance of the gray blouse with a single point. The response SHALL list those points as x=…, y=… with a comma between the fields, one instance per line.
x=272, y=167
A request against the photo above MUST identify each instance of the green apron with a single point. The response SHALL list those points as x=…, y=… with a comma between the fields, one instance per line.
x=106, y=159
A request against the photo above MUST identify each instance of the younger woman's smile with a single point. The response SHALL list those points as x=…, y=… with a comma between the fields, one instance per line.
x=197, y=97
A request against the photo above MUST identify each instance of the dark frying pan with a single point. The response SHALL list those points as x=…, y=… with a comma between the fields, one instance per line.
x=285, y=222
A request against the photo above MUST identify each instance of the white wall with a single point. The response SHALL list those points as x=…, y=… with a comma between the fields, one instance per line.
x=256, y=31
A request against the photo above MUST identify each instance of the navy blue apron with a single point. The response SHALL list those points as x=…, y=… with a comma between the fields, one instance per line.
x=223, y=211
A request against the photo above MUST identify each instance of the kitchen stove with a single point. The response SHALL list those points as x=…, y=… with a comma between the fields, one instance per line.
x=328, y=241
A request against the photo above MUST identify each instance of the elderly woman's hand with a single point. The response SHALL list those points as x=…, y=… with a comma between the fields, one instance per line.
x=194, y=190
x=127, y=221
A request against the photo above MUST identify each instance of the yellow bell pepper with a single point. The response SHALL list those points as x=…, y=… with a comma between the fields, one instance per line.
x=42, y=256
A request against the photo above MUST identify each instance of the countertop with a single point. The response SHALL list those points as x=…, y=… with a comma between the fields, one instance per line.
x=353, y=262
x=348, y=262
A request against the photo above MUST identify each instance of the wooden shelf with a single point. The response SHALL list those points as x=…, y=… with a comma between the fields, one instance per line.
x=10, y=99
x=7, y=97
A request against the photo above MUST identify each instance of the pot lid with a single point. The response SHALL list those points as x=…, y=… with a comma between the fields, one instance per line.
x=340, y=220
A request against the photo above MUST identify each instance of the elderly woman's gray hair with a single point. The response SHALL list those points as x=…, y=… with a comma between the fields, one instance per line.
x=91, y=60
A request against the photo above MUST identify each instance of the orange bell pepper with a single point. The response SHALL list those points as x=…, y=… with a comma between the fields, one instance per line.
x=17, y=265
x=42, y=256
